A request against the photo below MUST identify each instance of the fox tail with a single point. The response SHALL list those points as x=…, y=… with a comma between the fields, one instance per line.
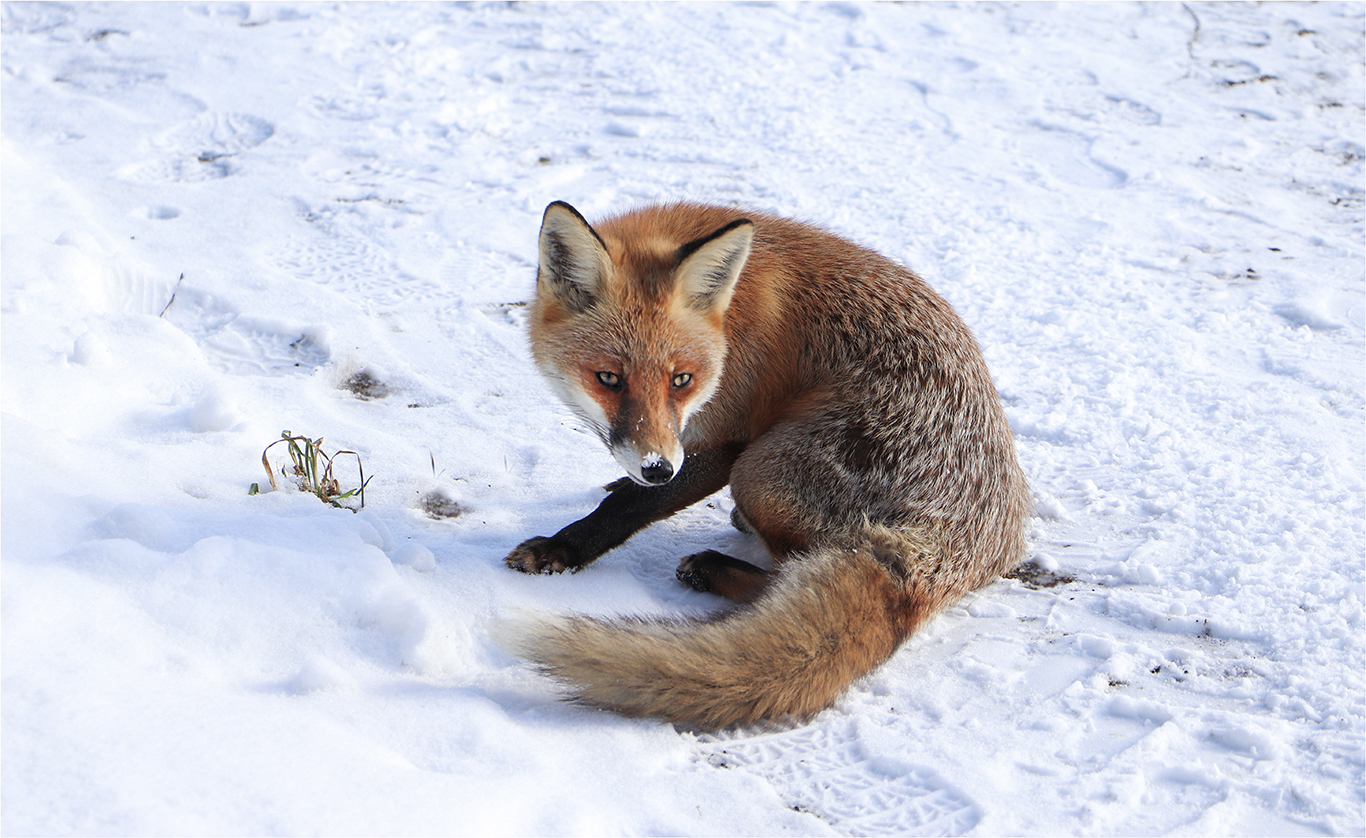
x=827, y=619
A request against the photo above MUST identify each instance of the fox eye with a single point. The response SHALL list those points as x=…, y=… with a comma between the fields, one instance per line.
x=610, y=380
x=681, y=380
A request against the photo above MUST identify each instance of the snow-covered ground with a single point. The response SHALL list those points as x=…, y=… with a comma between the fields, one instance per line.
x=1151, y=215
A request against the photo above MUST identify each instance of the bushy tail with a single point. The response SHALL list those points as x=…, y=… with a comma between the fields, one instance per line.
x=827, y=619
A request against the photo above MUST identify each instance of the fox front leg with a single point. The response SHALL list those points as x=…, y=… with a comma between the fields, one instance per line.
x=628, y=508
x=624, y=511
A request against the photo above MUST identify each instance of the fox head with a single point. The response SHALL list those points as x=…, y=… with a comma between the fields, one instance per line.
x=630, y=331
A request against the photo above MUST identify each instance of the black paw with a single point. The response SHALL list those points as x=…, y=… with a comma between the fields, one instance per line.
x=690, y=574
x=701, y=571
x=716, y=573
x=543, y=555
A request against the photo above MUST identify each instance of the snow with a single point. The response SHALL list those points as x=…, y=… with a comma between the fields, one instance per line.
x=221, y=221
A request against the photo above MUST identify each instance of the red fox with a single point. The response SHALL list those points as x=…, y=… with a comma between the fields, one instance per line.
x=845, y=403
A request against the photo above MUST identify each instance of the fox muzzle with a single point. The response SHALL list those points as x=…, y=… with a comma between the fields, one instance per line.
x=653, y=469
x=658, y=472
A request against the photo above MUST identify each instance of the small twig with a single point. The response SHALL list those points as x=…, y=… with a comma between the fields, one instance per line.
x=173, y=293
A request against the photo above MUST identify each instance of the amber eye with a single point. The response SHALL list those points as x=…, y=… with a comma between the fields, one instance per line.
x=681, y=380
x=610, y=380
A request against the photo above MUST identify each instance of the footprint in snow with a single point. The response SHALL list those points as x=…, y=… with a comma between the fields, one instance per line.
x=1066, y=155
x=823, y=771
x=354, y=266
x=201, y=149
x=243, y=345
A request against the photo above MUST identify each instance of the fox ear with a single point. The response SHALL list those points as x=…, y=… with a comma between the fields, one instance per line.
x=574, y=260
x=709, y=267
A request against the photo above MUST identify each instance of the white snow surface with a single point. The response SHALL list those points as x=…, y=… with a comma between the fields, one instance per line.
x=1150, y=215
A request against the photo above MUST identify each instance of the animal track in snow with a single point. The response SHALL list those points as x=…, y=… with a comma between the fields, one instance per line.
x=354, y=266
x=35, y=18
x=513, y=314
x=199, y=149
x=212, y=135
x=108, y=280
x=822, y=770
x=1109, y=111
x=1066, y=155
x=243, y=345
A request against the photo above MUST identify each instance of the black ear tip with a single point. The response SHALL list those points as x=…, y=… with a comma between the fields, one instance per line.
x=561, y=205
x=734, y=225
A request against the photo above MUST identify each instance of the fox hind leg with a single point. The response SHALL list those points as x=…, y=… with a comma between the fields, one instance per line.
x=717, y=573
x=775, y=484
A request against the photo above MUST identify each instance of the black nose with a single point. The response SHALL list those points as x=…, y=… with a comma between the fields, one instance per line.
x=658, y=473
